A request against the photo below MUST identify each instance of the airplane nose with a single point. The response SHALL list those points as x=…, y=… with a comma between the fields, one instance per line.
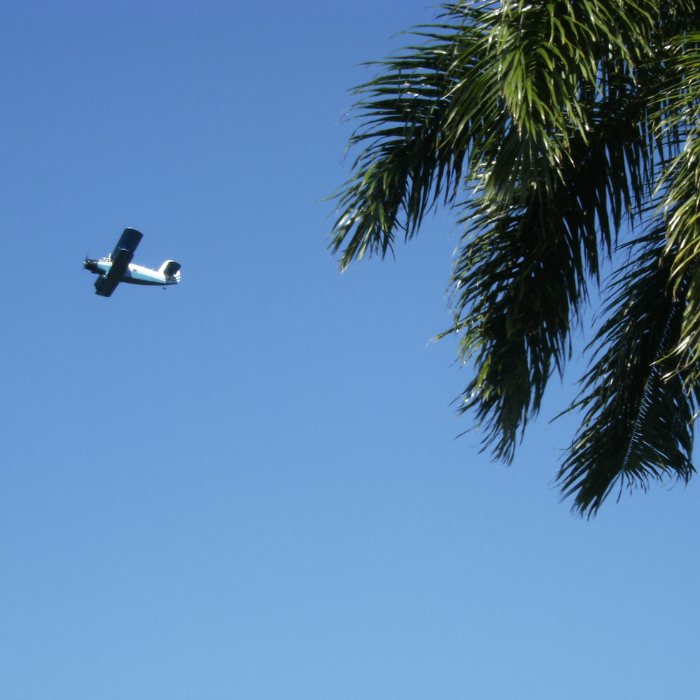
x=90, y=265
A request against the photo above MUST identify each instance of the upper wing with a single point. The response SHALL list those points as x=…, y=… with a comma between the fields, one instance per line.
x=121, y=256
x=104, y=286
x=129, y=241
x=120, y=262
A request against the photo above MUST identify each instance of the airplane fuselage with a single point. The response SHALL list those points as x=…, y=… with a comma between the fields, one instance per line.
x=134, y=274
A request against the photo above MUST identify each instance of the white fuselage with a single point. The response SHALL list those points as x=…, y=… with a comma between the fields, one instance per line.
x=136, y=274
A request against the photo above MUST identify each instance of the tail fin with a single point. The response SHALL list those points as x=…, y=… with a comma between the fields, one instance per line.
x=170, y=268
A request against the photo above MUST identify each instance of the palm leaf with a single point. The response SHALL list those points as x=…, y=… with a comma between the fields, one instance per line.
x=549, y=125
x=638, y=417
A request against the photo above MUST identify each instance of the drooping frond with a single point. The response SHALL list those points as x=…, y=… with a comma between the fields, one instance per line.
x=549, y=125
x=521, y=274
x=403, y=166
x=681, y=200
x=638, y=412
x=435, y=120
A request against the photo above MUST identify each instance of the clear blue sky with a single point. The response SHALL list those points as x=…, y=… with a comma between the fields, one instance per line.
x=249, y=486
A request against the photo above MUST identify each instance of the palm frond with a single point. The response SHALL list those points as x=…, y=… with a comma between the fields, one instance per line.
x=638, y=420
x=548, y=125
x=402, y=168
x=521, y=274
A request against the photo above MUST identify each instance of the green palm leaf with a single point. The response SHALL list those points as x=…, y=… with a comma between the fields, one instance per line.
x=638, y=412
x=549, y=125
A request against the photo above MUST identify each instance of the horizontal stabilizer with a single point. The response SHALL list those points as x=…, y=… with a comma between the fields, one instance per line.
x=170, y=268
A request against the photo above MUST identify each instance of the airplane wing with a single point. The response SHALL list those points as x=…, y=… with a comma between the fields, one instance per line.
x=104, y=286
x=121, y=256
x=129, y=241
x=120, y=262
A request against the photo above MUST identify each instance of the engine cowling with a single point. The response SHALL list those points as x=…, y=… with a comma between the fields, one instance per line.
x=91, y=265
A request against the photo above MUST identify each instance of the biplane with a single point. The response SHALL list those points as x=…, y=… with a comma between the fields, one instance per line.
x=119, y=268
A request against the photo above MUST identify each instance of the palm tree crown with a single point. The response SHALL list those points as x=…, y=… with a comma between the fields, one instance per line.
x=561, y=131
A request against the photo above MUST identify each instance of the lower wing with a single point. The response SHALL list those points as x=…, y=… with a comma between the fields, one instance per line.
x=104, y=286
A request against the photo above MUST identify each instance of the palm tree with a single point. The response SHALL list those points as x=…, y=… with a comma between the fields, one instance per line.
x=565, y=135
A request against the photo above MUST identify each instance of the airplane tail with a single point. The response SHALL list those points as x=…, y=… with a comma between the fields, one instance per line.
x=170, y=269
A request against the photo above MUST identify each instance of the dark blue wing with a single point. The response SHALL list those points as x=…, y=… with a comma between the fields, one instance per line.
x=119, y=264
x=129, y=241
x=104, y=286
x=121, y=257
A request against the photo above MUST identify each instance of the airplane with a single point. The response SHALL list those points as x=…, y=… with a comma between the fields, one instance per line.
x=118, y=268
